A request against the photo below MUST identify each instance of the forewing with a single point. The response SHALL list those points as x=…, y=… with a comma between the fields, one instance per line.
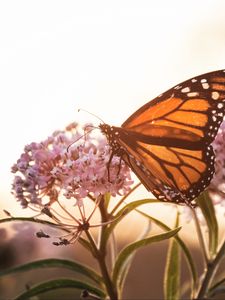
x=195, y=106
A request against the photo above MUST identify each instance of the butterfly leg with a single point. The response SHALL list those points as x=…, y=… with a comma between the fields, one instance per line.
x=108, y=166
x=120, y=164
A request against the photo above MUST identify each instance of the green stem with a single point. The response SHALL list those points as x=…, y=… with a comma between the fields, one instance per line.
x=210, y=272
x=103, y=211
x=112, y=245
x=104, y=219
x=124, y=198
x=112, y=293
x=200, y=237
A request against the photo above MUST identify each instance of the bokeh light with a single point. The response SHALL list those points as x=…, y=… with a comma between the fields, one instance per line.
x=108, y=57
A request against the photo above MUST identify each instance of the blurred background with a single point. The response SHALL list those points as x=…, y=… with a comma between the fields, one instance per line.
x=108, y=57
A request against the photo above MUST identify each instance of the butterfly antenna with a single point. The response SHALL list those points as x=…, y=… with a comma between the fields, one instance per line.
x=81, y=109
x=83, y=135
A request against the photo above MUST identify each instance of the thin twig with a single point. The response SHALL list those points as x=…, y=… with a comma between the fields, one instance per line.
x=67, y=212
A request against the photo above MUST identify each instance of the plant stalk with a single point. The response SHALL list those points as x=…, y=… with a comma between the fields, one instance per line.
x=200, y=237
x=209, y=273
x=112, y=293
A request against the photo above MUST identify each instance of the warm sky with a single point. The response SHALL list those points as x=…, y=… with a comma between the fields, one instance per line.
x=108, y=57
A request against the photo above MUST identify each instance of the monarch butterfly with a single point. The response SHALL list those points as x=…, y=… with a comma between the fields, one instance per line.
x=167, y=141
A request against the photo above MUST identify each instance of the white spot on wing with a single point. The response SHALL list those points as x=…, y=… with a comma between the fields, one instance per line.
x=215, y=95
x=185, y=90
x=205, y=85
x=193, y=94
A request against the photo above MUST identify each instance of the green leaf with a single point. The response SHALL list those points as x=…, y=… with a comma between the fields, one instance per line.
x=55, y=263
x=130, y=259
x=207, y=208
x=186, y=252
x=129, y=250
x=172, y=270
x=122, y=213
x=59, y=284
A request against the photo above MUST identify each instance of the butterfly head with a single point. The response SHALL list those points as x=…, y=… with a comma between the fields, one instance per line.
x=112, y=135
x=105, y=128
x=108, y=131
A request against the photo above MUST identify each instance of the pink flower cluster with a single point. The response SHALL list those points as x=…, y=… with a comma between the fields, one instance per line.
x=70, y=165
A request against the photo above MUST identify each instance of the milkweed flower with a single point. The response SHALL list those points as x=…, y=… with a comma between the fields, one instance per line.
x=70, y=166
x=60, y=166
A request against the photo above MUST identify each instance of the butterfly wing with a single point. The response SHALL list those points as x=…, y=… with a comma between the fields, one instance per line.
x=195, y=106
x=169, y=137
x=156, y=186
x=170, y=173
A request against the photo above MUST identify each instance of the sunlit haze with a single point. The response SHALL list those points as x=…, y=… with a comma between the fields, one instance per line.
x=108, y=57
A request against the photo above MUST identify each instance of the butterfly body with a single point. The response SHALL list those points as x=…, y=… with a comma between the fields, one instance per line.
x=167, y=142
